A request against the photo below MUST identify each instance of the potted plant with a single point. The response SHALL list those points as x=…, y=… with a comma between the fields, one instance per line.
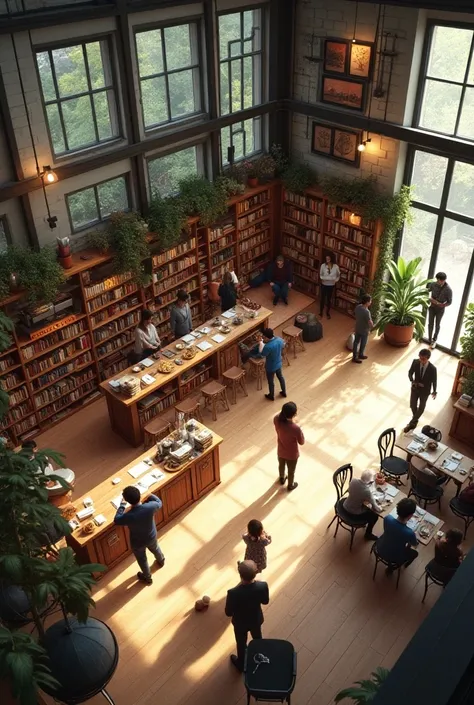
x=167, y=219
x=467, y=383
x=250, y=171
x=467, y=339
x=127, y=232
x=39, y=273
x=298, y=177
x=99, y=240
x=201, y=197
x=364, y=691
x=405, y=300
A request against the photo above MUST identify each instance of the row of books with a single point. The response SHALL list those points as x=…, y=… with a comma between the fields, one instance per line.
x=174, y=281
x=110, y=296
x=352, y=265
x=352, y=277
x=113, y=367
x=62, y=371
x=299, y=231
x=348, y=233
x=116, y=343
x=85, y=398
x=255, y=215
x=24, y=425
x=300, y=257
x=300, y=245
x=313, y=204
x=64, y=385
x=342, y=213
x=156, y=408
x=105, y=285
x=171, y=295
x=308, y=272
x=345, y=304
x=302, y=216
x=348, y=289
x=16, y=414
x=73, y=396
x=112, y=310
x=176, y=251
x=43, y=344
x=58, y=355
x=18, y=395
x=255, y=252
x=250, y=203
x=132, y=319
x=252, y=241
x=248, y=232
x=346, y=248
x=11, y=380
x=216, y=245
x=174, y=267
x=218, y=273
x=222, y=256
x=196, y=382
x=223, y=229
x=307, y=287
x=7, y=362
x=254, y=267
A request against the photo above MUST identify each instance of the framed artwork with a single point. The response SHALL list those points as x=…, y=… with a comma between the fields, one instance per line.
x=343, y=92
x=360, y=61
x=322, y=139
x=336, y=54
x=336, y=143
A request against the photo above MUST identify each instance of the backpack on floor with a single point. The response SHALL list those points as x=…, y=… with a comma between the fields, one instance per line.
x=432, y=432
x=350, y=342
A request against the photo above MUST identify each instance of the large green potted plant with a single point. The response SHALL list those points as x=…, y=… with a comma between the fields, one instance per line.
x=201, y=197
x=37, y=271
x=364, y=691
x=467, y=338
x=167, y=220
x=127, y=233
x=405, y=299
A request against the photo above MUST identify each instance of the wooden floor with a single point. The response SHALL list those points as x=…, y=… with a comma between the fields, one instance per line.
x=322, y=597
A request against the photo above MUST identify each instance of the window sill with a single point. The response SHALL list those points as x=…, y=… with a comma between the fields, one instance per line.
x=87, y=152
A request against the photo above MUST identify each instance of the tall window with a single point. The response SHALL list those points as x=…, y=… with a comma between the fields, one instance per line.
x=447, y=103
x=241, y=78
x=168, y=66
x=442, y=231
x=165, y=173
x=4, y=233
x=79, y=96
x=95, y=204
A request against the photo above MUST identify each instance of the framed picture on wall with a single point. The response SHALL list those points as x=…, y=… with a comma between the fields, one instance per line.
x=360, y=60
x=346, y=93
x=336, y=143
x=322, y=139
x=336, y=56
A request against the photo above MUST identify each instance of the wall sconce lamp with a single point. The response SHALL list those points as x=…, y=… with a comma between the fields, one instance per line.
x=363, y=145
x=48, y=175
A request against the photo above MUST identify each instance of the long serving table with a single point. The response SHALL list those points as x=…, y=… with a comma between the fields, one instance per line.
x=425, y=529
x=124, y=413
x=109, y=543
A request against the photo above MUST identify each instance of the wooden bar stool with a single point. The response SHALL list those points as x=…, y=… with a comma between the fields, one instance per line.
x=215, y=393
x=293, y=337
x=155, y=431
x=233, y=379
x=257, y=369
x=190, y=407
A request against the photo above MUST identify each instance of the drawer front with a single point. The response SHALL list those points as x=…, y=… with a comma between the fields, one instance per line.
x=177, y=495
x=112, y=546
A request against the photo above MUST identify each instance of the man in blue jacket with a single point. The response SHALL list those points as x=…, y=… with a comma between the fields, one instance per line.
x=271, y=346
x=140, y=520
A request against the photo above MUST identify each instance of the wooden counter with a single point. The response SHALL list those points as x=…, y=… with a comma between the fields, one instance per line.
x=462, y=426
x=109, y=544
x=124, y=413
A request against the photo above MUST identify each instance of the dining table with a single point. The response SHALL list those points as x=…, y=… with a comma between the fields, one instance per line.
x=424, y=524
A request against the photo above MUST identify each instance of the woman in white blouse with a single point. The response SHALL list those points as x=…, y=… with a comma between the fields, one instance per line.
x=329, y=275
x=147, y=341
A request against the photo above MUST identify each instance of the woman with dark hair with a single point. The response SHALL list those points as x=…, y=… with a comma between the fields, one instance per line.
x=329, y=275
x=448, y=555
x=147, y=340
x=228, y=292
x=290, y=436
x=180, y=317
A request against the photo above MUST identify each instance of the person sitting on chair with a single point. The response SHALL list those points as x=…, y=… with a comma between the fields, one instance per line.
x=147, y=340
x=281, y=279
x=466, y=496
x=448, y=555
x=395, y=544
x=361, y=504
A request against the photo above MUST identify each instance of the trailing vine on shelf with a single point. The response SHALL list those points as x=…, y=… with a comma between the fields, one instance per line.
x=128, y=239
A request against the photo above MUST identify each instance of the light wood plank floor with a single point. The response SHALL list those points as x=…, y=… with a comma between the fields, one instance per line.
x=323, y=599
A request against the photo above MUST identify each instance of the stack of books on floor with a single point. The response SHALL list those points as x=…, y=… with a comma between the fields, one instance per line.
x=465, y=400
x=203, y=440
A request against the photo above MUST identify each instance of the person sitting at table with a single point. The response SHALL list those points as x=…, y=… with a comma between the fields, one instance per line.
x=227, y=292
x=361, y=503
x=448, y=555
x=57, y=490
x=396, y=543
x=180, y=316
x=466, y=496
x=147, y=340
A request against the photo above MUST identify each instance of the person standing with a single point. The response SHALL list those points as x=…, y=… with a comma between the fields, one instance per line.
x=360, y=502
x=363, y=326
x=140, y=520
x=424, y=379
x=270, y=347
x=441, y=296
x=227, y=292
x=329, y=275
x=244, y=604
x=281, y=279
x=147, y=340
x=397, y=541
x=290, y=436
x=256, y=541
x=180, y=317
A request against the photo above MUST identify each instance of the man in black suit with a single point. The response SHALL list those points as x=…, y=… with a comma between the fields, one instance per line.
x=244, y=604
x=423, y=378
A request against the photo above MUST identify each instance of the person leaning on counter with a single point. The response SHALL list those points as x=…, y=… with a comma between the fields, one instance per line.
x=180, y=317
x=147, y=340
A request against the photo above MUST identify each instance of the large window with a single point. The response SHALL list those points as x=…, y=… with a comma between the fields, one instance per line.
x=165, y=173
x=79, y=97
x=447, y=96
x=442, y=230
x=241, y=79
x=4, y=233
x=168, y=66
x=95, y=204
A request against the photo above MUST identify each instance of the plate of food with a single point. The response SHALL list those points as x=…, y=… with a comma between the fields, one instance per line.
x=224, y=329
x=189, y=353
x=165, y=367
x=179, y=346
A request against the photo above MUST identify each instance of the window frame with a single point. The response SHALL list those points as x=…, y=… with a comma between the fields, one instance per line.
x=431, y=24
x=110, y=40
x=6, y=229
x=201, y=162
x=198, y=68
x=125, y=176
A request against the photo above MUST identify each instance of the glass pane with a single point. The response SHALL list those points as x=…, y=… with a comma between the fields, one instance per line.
x=78, y=122
x=225, y=96
x=461, y=192
x=470, y=300
x=166, y=172
x=251, y=138
x=102, y=112
x=70, y=70
x=248, y=82
x=96, y=69
x=149, y=52
x=55, y=129
x=46, y=75
x=225, y=144
x=454, y=257
x=236, y=78
x=229, y=30
x=112, y=196
x=418, y=237
x=440, y=107
x=181, y=88
x=429, y=172
x=449, y=53
x=155, y=110
x=178, y=47
x=238, y=142
x=83, y=208
x=252, y=29
x=466, y=123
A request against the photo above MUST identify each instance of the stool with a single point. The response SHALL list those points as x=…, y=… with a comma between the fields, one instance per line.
x=257, y=367
x=293, y=337
x=235, y=378
x=155, y=431
x=190, y=407
x=309, y=324
x=214, y=393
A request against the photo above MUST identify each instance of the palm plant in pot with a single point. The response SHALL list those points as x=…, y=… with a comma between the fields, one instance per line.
x=405, y=299
x=364, y=691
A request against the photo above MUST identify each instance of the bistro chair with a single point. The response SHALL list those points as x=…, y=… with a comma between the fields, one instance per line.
x=270, y=670
x=380, y=559
x=424, y=488
x=463, y=511
x=341, y=479
x=436, y=575
x=391, y=465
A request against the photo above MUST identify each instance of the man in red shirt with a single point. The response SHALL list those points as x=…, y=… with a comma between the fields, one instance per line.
x=290, y=436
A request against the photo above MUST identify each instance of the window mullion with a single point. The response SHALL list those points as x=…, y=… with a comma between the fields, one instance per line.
x=97, y=202
x=58, y=98
x=165, y=71
x=91, y=99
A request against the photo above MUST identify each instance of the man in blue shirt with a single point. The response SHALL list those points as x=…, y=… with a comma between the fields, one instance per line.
x=271, y=346
x=140, y=520
x=395, y=544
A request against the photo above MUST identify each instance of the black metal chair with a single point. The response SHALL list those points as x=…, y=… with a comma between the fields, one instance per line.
x=270, y=670
x=436, y=575
x=380, y=559
x=463, y=511
x=425, y=494
x=341, y=479
x=390, y=464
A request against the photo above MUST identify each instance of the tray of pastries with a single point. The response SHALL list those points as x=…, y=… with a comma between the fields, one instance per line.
x=189, y=353
x=165, y=367
x=248, y=303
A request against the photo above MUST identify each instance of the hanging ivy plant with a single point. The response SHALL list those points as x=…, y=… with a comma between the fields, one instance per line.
x=127, y=233
x=201, y=197
x=38, y=272
x=168, y=219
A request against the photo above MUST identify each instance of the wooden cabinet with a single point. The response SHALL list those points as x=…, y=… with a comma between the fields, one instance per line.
x=228, y=357
x=112, y=546
x=177, y=494
x=206, y=474
x=462, y=426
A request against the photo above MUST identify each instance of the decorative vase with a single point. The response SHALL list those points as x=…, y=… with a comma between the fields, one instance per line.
x=398, y=336
x=66, y=262
x=64, y=251
x=252, y=181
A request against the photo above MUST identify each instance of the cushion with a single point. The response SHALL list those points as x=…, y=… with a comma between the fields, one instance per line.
x=395, y=466
x=348, y=518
